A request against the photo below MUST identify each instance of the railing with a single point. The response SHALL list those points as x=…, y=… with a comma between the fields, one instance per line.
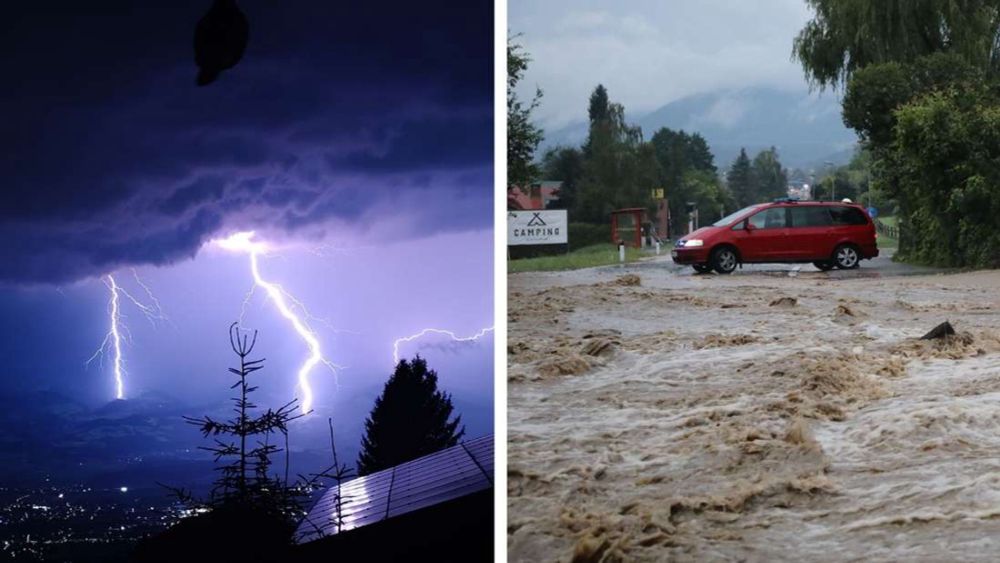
x=889, y=231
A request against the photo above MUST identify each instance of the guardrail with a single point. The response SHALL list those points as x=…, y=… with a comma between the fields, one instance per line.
x=889, y=231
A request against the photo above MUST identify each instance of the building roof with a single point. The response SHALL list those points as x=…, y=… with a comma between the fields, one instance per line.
x=537, y=196
x=446, y=475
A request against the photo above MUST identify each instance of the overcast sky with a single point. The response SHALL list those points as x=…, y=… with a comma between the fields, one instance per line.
x=651, y=52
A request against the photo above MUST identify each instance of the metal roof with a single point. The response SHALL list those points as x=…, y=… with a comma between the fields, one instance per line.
x=433, y=479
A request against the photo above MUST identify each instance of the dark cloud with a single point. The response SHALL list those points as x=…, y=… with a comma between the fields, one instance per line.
x=207, y=188
x=425, y=143
x=113, y=157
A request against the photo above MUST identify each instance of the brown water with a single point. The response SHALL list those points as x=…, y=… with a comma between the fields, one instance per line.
x=752, y=418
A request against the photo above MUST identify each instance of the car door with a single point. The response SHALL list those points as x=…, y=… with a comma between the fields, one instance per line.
x=851, y=225
x=809, y=232
x=765, y=240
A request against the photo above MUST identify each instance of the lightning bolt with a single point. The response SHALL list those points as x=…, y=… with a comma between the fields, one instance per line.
x=243, y=242
x=154, y=312
x=113, y=338
x=119, y=331
x=426, y=331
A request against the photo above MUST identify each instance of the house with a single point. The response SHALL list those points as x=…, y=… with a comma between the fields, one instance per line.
x=537, y=196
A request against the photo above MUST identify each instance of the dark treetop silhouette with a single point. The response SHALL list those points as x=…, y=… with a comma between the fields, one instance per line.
x=409, y=419
x=248, y=498
x=247, y=481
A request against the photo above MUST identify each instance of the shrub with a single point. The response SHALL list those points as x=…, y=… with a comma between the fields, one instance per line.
x=588, y=234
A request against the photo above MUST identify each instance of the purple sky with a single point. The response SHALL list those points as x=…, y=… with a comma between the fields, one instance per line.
x=348, y=135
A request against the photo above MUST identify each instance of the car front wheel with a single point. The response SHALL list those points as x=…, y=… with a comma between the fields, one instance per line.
x=846, y=257
x=724, y=260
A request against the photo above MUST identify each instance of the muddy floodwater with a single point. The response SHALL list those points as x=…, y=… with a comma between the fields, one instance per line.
x=655, y=416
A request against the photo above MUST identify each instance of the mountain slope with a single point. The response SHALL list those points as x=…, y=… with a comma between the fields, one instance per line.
x=806, y=128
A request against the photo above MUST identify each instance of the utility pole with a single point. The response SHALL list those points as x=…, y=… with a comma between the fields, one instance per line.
x=833, y=184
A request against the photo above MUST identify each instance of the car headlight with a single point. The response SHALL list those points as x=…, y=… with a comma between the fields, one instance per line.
x=694, y=242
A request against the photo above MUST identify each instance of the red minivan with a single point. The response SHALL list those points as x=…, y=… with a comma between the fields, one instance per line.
x=828, y=234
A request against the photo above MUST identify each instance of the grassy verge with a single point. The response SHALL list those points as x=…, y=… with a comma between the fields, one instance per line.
x=884, y=241
x=586, y=257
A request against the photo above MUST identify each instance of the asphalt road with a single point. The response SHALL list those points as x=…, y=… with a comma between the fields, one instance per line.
x=880, y=267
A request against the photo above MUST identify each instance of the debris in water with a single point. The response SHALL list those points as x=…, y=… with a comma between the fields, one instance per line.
x=940, y=331
x=590, y=549
x=600, y=347
x=800, y=434
x=785, y=302
x=571, y=365
x=628, y=280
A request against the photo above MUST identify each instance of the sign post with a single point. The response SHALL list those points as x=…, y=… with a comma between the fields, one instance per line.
x=542, y=227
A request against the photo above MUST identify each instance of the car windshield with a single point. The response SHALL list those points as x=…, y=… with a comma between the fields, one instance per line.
x=733, y=216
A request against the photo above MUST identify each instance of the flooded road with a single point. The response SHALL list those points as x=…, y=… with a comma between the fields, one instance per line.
x=774, y=414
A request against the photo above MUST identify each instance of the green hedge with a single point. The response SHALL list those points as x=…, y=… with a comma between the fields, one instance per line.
x=588, y=234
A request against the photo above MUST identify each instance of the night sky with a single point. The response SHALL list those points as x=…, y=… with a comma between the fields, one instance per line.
x=355, y=138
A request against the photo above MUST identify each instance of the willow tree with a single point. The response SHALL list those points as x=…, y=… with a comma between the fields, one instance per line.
x=847, y=35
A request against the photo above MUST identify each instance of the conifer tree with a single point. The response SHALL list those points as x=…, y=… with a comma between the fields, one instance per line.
x=410, y=419
x=740, y=181
x=246, y=441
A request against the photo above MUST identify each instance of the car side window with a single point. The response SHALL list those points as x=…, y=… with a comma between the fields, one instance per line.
x=810, y=216
x=843, y=215
x=770, y=218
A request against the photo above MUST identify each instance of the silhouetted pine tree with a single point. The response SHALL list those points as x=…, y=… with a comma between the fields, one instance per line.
x=249, y=502
x=246, y=480
x=409, y=419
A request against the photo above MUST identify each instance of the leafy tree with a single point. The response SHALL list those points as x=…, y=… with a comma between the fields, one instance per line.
x=679, y=152
x=710, y=197
x=740, y=180
x=645, y=177
x=615, y=168
x=769, y=179
x=845, y=36
x=947, y=157
x=410, y=419
x=699, y=157
x=875, y=92
x=613, y=174
x=678, y=155
x=523, y=136
x=913, y=71
x=566, y=165
x=859, y=173
x=852, y=181
x=836, y=186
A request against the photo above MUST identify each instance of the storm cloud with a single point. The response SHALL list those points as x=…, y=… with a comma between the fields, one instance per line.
x=113, y=157
x=652, y=52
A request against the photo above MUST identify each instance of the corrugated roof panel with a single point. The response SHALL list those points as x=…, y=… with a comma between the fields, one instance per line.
x=439, y=477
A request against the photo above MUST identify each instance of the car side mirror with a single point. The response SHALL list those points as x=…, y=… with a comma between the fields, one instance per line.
x=748, y=226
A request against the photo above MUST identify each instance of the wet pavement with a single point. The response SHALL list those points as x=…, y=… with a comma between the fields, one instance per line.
x=880, y=267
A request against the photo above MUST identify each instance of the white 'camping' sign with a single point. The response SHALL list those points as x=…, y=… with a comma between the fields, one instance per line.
x=537, y=227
